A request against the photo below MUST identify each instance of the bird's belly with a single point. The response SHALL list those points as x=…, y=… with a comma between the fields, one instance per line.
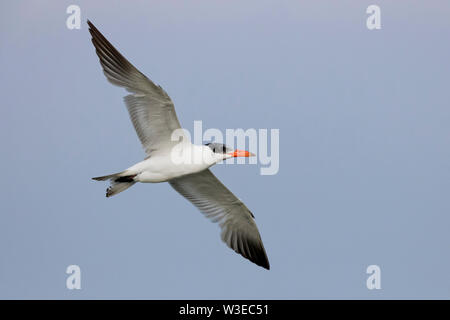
x=153, y=171
x=152, y=177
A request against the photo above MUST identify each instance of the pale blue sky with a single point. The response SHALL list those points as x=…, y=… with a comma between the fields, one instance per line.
x=364, y=119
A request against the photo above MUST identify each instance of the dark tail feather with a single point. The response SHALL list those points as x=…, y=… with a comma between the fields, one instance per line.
x=108, y=177
x=117, y=187
x=119, y=182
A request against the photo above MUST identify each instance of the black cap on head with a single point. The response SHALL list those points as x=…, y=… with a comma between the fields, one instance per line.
x=218, y=147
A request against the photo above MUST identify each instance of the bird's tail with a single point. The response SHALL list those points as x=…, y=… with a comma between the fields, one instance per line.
x=119, y=182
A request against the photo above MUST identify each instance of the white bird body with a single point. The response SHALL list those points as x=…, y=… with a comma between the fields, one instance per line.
x=163, y=167
x=183, y=165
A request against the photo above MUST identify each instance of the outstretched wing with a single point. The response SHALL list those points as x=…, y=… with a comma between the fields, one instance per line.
x=217, y=203
x=151, y=109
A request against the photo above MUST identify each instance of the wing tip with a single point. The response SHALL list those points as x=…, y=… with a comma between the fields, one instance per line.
x=255, y=252
x=264, y=264
x=261, y=260
x=90, y=24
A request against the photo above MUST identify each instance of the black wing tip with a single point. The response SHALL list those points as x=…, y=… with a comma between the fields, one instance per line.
x=264, y=265
x=255, y=253
x=95, y=33
x=90, y=24
x=262, y=261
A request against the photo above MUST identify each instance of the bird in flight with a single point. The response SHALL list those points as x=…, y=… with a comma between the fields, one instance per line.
x=170, y=160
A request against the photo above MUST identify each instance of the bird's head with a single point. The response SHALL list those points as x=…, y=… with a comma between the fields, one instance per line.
x=222, y=152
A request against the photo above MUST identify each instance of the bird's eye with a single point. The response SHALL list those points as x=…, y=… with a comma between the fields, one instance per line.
x=224, y=149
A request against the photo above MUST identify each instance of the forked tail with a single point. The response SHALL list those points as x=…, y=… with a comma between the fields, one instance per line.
x=119, y=182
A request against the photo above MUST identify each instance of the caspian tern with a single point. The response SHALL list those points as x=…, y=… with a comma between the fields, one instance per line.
x=153, y=115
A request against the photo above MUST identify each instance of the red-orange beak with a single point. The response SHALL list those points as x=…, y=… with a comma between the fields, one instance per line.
x=241, y=153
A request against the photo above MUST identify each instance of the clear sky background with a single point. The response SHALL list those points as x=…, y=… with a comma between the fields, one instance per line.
x=364, y=119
